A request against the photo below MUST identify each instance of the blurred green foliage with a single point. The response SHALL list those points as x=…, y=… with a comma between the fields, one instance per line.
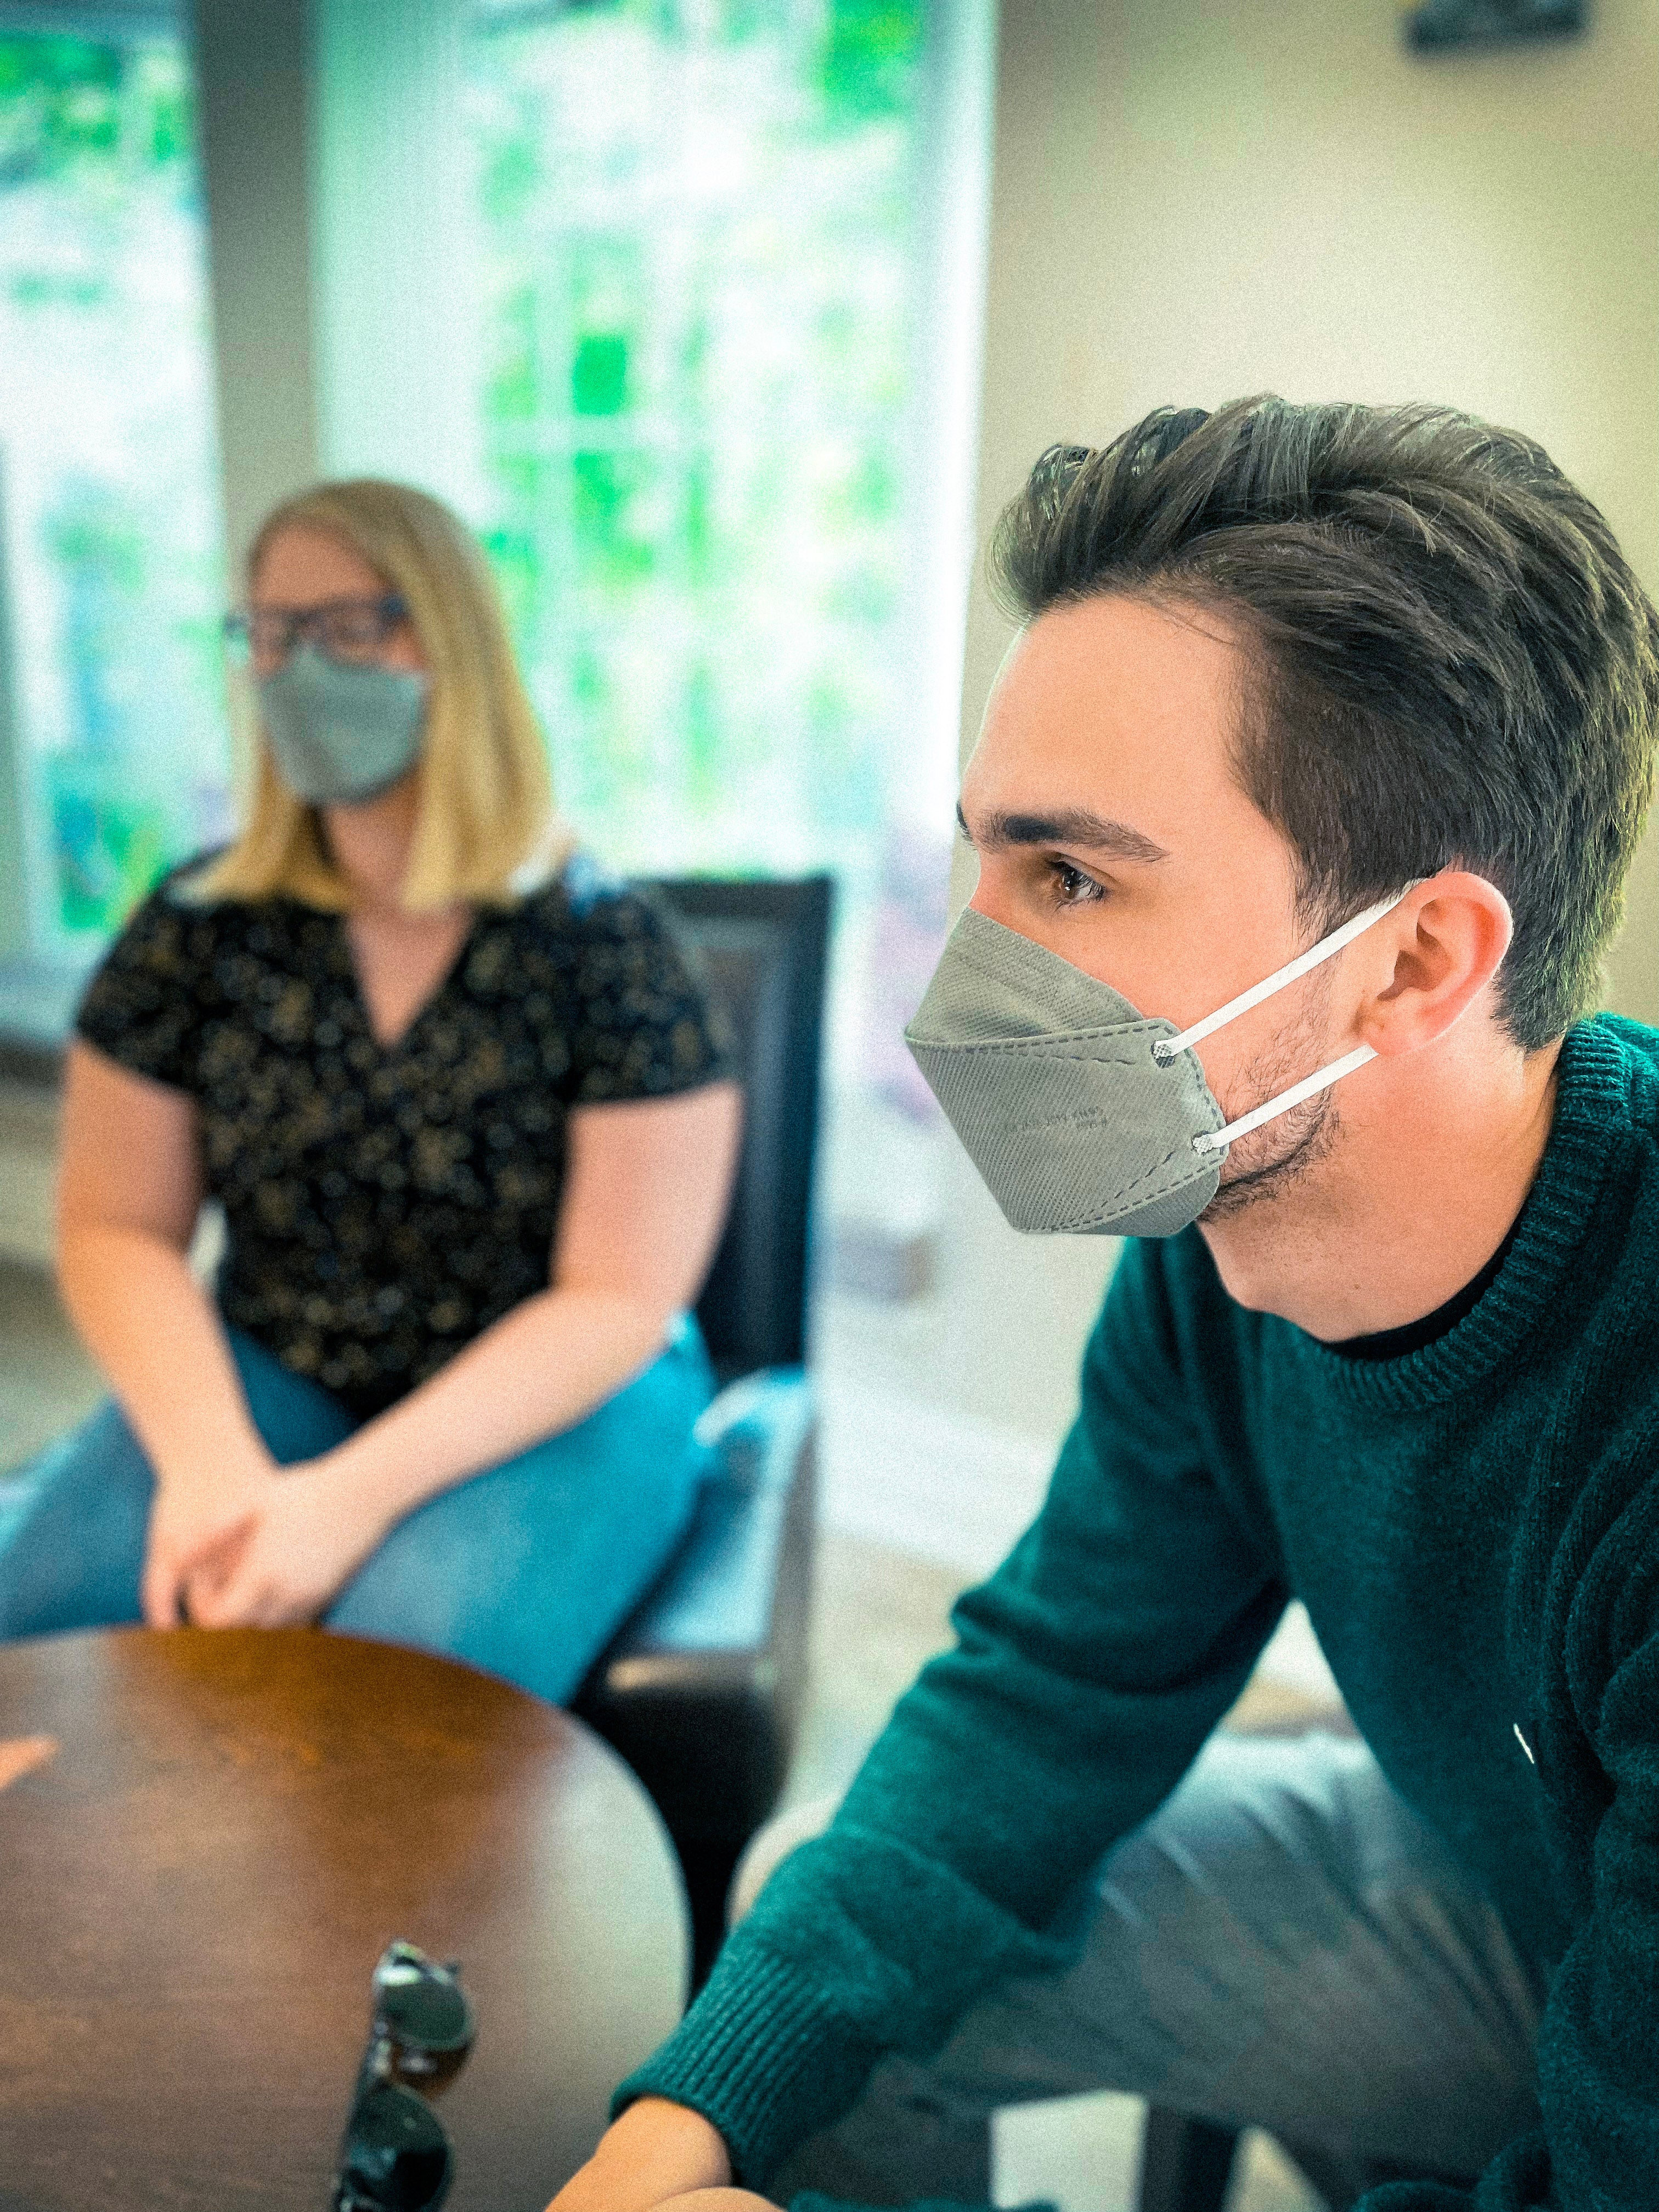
x=700, y=267
x=518, y=575
x=614, y=543
x=514, y=392
x=35, y=289
x=599, y=375
x=122, y=765
x=100, y=540
x=868, y=61
x=110, y=847
x=65, y=101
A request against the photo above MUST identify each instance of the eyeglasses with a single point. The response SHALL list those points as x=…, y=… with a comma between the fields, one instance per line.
x=348, y=630
x=394, y=2155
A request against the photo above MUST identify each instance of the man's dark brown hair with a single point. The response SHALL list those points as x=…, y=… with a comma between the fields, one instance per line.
x=1450, y=662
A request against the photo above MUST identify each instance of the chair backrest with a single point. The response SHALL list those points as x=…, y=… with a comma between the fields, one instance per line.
x=763, y=946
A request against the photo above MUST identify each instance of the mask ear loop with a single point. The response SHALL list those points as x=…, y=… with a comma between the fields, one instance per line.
x=1217, y=1140
x=1166, y=1049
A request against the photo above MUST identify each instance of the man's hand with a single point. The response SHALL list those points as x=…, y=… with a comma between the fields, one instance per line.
x=199, y=1521
x=658, y=2156
x=311, y=1533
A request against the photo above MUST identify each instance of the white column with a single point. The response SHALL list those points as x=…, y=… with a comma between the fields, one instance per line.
x=394, y=288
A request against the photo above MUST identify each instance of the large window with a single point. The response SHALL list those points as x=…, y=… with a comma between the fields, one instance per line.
x=708, y=334
x=720, y=393
x=698, y=321
x=113, y=746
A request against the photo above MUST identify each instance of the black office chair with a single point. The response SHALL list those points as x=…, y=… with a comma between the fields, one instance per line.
x=702, y=1691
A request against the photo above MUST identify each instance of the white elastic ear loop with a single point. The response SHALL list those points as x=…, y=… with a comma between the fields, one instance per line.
x=1218, y=1140
x=1327, y=948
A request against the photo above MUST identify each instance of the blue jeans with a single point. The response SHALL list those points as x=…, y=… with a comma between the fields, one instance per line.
x=526, y=1569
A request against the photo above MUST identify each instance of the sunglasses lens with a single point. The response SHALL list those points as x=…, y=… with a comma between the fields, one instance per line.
x=395, y=2157
x=416, y=2002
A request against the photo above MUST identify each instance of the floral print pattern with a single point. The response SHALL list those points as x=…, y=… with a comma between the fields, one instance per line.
x=385, y=1204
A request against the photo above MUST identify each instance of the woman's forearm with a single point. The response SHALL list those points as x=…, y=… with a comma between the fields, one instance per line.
x=156, y=1334
x=539, y=1368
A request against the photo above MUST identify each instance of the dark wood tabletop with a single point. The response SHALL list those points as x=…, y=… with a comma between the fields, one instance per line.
x=207, y=1839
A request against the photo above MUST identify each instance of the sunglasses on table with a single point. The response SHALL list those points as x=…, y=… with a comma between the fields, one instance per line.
x=346, y=630
x=394, y=2155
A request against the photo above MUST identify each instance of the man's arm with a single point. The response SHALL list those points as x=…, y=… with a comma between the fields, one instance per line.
x=1088, y=1673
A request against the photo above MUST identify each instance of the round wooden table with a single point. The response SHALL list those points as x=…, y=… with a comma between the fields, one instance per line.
x=212, y=1837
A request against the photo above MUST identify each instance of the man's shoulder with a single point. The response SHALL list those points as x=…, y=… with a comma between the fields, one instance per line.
x=1641, y=1038
x=1604, y=1149
x=1616, y=1060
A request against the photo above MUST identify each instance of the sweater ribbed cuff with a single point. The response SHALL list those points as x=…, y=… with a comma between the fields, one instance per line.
x=815, y=2060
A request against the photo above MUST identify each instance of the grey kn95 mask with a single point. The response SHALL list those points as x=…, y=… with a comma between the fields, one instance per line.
x=338, y=734
x=1084, y=1116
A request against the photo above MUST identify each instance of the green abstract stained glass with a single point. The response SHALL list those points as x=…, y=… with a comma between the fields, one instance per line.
x=700, y=437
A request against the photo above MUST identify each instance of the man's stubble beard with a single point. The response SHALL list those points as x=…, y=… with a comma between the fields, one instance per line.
x=1271, y=1162
x=1306, y=1136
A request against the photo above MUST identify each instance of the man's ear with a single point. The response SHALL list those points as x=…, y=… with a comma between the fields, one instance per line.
x=1434, y=956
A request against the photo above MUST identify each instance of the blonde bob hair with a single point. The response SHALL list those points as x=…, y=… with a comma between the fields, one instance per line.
x=485, y=814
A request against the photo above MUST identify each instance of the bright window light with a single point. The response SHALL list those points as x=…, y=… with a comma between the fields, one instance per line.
x=697, y=314
x=113, y=735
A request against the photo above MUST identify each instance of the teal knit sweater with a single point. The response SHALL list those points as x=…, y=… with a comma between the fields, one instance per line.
x=1474, y=1529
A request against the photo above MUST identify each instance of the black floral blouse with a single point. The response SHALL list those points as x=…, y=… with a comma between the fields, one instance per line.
x=385, y=1204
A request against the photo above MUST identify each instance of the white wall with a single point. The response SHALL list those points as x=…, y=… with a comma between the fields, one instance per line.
x=1192, y=202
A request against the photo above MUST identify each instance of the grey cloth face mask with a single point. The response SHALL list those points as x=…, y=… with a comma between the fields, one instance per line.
x=1083, y=1116
x=339, y=735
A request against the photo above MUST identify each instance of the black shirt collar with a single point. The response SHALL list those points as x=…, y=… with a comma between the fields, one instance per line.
x=1417, y=1335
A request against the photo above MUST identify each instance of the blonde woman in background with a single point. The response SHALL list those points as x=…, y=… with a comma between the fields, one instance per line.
x=460, y=1100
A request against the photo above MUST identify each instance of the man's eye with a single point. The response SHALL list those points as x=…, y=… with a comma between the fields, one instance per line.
x=1071, y=887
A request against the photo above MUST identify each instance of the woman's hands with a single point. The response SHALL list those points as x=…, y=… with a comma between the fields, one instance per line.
x=199, y=1521
x=254, y=1544
x=308, y=1531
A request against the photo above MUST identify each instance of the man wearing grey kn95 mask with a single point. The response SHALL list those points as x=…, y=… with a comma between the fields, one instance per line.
x=1303, y=806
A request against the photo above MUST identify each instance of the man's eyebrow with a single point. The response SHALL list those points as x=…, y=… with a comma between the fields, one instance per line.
x=1075, y=826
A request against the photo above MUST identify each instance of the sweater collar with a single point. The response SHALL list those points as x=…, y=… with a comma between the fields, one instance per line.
x=1592, y=1115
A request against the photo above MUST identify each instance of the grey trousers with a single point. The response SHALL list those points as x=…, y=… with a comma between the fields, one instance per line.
x=1283, y=1944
